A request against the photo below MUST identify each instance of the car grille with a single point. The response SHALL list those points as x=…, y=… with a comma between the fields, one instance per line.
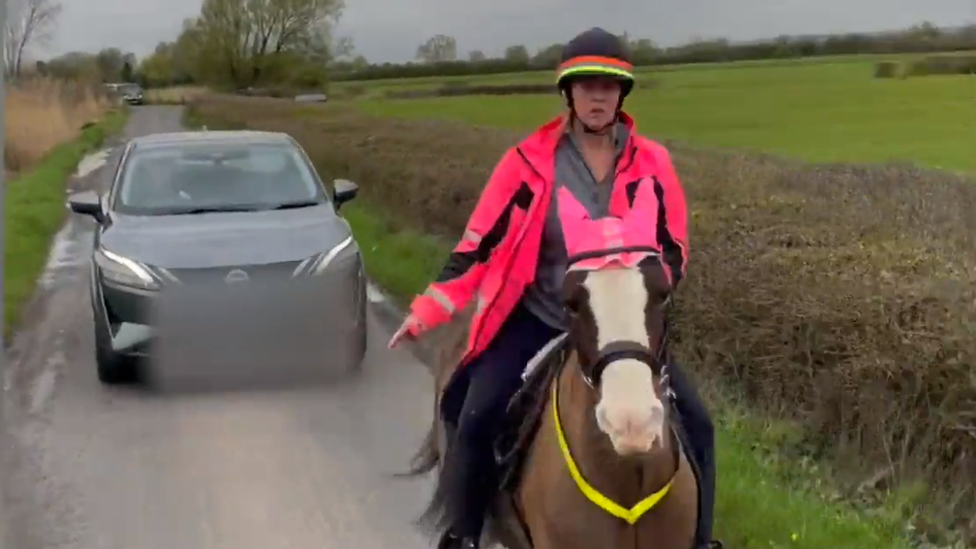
x=273, y=272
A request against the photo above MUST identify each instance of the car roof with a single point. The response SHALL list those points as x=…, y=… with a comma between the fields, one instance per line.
x=213, y=137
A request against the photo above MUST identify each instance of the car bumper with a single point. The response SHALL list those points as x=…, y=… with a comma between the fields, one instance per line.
x=134, y=100
x=134, y=314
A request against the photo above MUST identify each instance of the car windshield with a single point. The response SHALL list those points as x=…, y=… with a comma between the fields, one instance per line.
x=131, y=89
x=203, y=178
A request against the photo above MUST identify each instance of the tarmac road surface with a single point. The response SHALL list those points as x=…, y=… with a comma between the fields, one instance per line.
x=91, y=467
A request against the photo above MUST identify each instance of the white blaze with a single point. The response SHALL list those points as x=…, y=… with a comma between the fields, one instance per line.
x=629, y=411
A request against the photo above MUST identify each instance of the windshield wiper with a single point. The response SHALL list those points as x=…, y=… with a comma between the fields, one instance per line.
x=215, y=209
x=296, y=204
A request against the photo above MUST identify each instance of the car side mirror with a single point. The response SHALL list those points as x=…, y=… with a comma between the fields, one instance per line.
x=87, y=203
x=345, y=191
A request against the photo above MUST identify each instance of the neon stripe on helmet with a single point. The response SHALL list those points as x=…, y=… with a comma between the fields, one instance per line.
x=596, y=60
x=594, y=64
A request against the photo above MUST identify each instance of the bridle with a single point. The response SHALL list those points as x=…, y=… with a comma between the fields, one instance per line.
x=656, y=360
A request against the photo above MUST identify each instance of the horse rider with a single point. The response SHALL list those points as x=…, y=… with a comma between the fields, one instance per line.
x=512, y=258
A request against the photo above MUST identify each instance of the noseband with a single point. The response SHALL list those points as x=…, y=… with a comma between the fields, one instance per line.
x=631, y=350
x=615, y=351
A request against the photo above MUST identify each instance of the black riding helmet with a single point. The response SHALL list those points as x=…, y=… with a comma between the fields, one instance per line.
x=595, y=52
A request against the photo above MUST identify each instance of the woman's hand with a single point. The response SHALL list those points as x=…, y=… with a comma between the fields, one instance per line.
x=409, y=330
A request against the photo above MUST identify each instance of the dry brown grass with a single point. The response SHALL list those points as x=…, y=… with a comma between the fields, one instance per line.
x=176, y=95
x=839, y=296
x=42, y=113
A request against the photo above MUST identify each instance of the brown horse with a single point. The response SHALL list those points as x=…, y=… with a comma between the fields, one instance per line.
x=600, y=442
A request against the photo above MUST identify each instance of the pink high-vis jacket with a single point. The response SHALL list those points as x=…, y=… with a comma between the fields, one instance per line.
x=496, y=257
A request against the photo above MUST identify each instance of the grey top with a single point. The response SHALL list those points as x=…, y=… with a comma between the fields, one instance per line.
x=544, y=296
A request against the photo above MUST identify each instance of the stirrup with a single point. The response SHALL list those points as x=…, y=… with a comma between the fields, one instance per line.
x=448, y=540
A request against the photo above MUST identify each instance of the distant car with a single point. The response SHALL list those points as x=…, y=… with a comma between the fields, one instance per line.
x=262, y=213
x=131, y=93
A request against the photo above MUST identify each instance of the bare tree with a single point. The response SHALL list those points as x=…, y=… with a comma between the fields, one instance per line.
x=29, y=22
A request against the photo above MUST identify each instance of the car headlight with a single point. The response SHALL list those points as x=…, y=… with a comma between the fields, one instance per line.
x=342, y=252
x=124, y=271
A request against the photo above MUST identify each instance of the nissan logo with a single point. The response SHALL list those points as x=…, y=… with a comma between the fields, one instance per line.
x=236, y=276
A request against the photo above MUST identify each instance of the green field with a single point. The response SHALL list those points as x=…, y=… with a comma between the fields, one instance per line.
x=543, y=76
x=816, y=111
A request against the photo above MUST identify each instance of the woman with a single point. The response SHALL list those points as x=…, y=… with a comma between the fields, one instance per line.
x=512, y=259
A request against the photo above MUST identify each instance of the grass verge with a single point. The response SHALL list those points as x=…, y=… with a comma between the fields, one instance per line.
x=762, y=503
x=35, y=210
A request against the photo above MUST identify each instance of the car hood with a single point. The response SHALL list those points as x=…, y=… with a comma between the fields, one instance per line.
x=225, y=239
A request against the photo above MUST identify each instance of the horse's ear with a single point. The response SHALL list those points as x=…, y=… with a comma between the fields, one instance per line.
x=640, y=222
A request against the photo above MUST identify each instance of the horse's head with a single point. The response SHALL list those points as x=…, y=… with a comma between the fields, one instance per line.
x=617, y=292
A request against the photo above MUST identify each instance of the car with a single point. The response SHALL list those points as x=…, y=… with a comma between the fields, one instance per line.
x=131, y=93
x=262, y=214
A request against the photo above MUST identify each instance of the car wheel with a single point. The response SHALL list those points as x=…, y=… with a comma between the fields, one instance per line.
x=361, y=341
x=360, y=353
x=113, y=368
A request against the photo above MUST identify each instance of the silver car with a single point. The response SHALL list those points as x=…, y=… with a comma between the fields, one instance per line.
x=211, y=210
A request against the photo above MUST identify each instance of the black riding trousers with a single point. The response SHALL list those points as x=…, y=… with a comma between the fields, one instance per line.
x=493, y=379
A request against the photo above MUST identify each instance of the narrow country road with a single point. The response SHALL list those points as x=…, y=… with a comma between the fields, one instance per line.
x=108, y=468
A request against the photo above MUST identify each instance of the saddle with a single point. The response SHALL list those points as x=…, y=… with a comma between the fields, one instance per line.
x=524, y=411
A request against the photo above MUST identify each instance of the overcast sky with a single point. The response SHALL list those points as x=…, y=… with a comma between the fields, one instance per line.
x=391, y=30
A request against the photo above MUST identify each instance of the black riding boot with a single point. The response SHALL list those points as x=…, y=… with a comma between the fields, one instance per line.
x=477, y=480
x=701, y=434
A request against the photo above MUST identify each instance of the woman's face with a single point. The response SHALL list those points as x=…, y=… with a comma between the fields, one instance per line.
x=595, y=99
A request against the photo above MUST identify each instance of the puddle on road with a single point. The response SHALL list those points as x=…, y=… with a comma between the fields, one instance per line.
x=71, y=247
x=68, y=253
x=43, y=386
x=374, y=295
x=92, y=162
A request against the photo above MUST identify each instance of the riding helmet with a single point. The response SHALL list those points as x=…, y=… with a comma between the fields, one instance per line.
x=595, y=52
